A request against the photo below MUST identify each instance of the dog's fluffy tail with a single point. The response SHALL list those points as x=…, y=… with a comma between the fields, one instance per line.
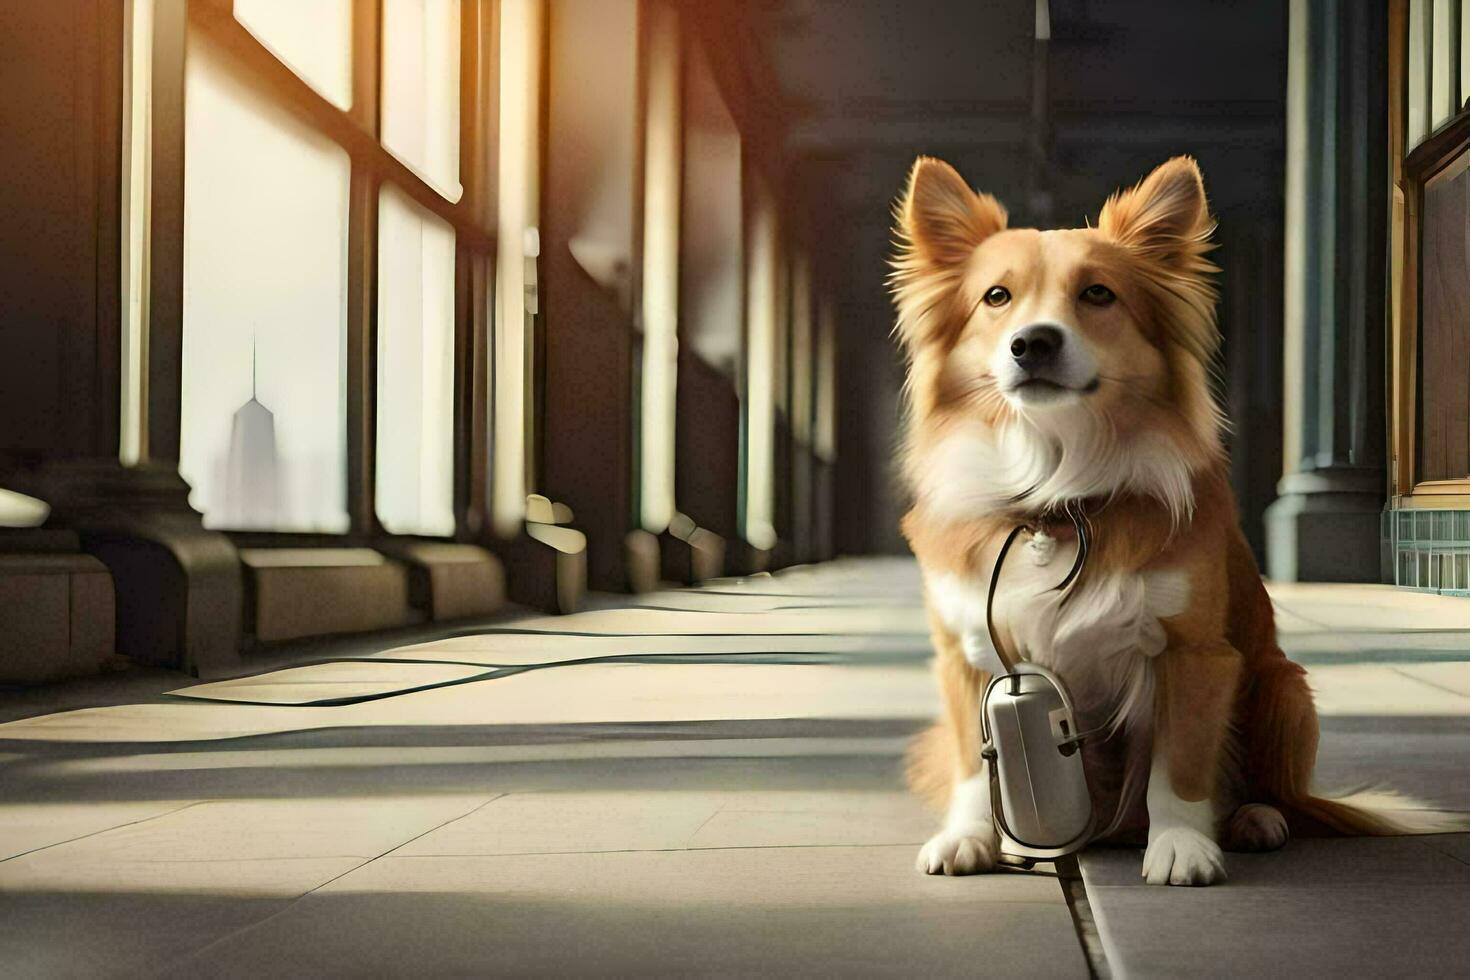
x=930, y=765
x=1281, y=729
x=1370, y=813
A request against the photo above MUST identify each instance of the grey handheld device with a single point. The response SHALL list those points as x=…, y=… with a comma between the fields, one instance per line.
x=1038, y=788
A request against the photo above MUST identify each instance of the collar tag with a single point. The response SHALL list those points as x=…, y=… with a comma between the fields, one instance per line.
x=1042, y=548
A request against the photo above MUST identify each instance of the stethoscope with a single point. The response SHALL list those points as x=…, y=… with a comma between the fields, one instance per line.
x=1083, y=546
x=1011, y=677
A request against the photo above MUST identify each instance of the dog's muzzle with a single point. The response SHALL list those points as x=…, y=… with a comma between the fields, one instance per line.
x=1047, y=360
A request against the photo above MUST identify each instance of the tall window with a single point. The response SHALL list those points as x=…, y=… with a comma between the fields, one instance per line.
x=420, y=126
x=661, y=187
x=415, y=367
x=711, y=284
x=519, y=205
x=264, y=440
x=421, y=89
x=313, y=38
x=334, y=184
x=1438, y=65
x=762, y=300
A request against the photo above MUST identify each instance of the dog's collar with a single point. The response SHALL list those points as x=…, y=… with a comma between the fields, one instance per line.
x=1058, y=527
x=1061, y=522
x=1078, y=528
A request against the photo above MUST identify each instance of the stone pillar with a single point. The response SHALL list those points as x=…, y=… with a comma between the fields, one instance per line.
x=1325, y=523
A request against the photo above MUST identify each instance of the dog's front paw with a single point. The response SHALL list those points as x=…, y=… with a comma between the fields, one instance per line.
x=1181, y=856
x=968, y=850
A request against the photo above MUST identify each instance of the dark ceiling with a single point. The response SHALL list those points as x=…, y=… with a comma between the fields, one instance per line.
x=871, y=83
x=1122, y=85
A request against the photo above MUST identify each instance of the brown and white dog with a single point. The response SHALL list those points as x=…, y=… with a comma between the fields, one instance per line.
x=1068, y=370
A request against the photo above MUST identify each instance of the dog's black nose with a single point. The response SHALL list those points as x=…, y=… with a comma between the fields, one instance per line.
x=1035, y=345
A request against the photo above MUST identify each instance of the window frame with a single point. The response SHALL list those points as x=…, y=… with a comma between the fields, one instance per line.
x=1417, y=151
x=357, y=131
x=1448, y=145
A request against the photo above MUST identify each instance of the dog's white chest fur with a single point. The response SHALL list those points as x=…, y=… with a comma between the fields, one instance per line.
x=1100, y=639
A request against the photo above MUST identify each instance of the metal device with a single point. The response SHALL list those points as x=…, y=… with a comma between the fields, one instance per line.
x=1031, y=743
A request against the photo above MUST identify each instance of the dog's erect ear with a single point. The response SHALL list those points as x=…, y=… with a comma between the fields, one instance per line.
x=1166, y=217
x=941, y=218
x=940, y=222
x=1165, y=224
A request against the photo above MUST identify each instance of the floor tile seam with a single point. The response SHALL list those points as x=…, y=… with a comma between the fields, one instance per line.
x=104, y=830
x=1255, y=892
x=702, y=824
x=295, y=900
x=1429, y=683
x=135, y=862
x=671, y=850
x=1084, y=921
x=1428, y=841
x=439, y=826
x=1108, y=942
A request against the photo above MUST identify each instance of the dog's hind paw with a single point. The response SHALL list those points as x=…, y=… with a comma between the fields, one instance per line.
x=1256, y=827
x=1182, y=856
x=968, y=851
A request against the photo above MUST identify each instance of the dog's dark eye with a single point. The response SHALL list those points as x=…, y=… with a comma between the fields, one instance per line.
x=1098, y=295
x=997, y=296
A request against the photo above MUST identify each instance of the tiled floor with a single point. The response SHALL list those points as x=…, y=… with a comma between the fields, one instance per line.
x=708, y=783
x=728, y=802
x=1391, y=671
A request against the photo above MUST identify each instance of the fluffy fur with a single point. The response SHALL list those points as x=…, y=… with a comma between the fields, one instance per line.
x=1168, y=635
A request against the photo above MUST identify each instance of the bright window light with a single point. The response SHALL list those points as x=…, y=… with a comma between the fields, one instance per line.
x=264, y=438
x=760, y=366
x=518, y=246
x=660, y=271
x=137, y=140
x=415, y=421
x=420, y=89
x=312, y=37
x=712, y=284
x=1444, y=89
x=1421, y=20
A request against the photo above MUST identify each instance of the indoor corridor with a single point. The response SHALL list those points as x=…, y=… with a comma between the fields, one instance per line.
x=455, y=458
x=691, y=781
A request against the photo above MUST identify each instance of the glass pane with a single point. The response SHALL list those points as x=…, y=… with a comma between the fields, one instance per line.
x=1444, y=88
x=264, y=438
x=1421, y=19
x=415, y=483
x=313, y=37
x=137, y=143
x=660, y=270
x=518, y=247
x=1464, y=51
x=421, y=89
x=710, y=282
x=760, y=366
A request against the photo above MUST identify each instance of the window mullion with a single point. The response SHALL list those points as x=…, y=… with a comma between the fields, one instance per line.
x=362, y=278
x=362, y=348
x=356, y=130
x=366, y=64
